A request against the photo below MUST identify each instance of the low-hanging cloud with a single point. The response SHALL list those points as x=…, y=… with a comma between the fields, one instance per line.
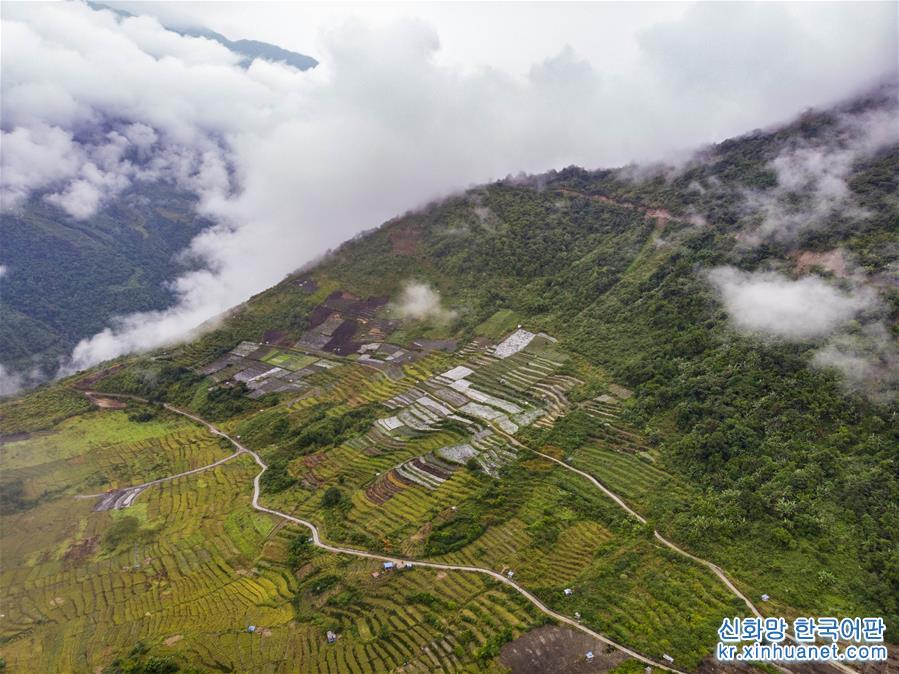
x=288, y=164
x=421, y=302
x=867, y=361
x=771, y=304
x=812, y=177
x=845, y=326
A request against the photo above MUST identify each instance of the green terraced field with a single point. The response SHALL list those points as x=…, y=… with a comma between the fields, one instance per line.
x=202, y=567
x=289, y=360
x=190, y=566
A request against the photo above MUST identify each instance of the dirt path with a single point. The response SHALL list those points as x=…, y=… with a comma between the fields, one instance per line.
x=659, y=214
x=241, y=449
x=714, y=568
x=316, y=539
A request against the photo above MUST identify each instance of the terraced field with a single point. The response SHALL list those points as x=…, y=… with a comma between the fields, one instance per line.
x=191, y=570
x=635, y=479
x=104, y=449
x=200, y=569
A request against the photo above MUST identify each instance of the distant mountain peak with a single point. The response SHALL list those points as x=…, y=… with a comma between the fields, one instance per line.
x=253, y=49
x=249, y=50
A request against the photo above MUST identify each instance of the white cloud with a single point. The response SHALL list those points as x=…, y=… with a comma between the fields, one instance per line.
x=771, y=304
x=12, y=383
x=33, y=158
x=421, y=301
x=867, y=361
x=816, y=172
x=289, y=164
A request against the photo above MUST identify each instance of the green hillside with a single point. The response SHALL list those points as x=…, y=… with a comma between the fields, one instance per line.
x=67, y=278
x=570, y=345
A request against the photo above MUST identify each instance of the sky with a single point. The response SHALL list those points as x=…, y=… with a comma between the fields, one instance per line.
x=411, y=102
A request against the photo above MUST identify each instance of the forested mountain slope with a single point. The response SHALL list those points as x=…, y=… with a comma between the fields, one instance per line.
x=793, y=459
x=65, y=279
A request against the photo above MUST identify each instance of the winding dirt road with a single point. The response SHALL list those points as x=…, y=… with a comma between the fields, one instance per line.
x=714, y=568
x=316, y=538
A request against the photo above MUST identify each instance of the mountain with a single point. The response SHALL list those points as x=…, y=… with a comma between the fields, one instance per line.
x=253, y=49
x=63, y=277
x=464, y=388
x=248, y=49
x=66, y=278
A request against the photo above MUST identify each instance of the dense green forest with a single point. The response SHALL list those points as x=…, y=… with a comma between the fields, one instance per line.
x=66, y=278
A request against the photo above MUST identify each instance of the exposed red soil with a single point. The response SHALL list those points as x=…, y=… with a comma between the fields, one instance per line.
x=833, y=261
x=312, y=460
x=341, y=341
x=82, y=550
x=107, y=403
x=658, y=213
x=404, y=241
x=384, y=488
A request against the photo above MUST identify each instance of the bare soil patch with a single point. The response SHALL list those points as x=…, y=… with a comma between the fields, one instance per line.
x=82, y=550
x=832, y=260
x=404, y=241
x=276, y=338
x=557, y=649
x=342, y=339
x=90, y=380
x=107, y=403
x=14, y=437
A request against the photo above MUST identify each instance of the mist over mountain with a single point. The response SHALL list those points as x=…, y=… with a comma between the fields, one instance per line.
x=263, y=146
x=413, y=359
x=253, y=49
x=248, y=49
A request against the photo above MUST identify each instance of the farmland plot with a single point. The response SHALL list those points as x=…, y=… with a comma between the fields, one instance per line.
x=188, y=566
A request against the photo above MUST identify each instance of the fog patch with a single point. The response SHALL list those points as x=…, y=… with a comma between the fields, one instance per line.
x=420, y=301
x=772, y=304
x=151, y=329
x=12, y=383
x=852, y=337
x=812, y=189
x=866, y=360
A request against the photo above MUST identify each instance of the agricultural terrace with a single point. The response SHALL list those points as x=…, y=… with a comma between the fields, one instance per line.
x=420, y=453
